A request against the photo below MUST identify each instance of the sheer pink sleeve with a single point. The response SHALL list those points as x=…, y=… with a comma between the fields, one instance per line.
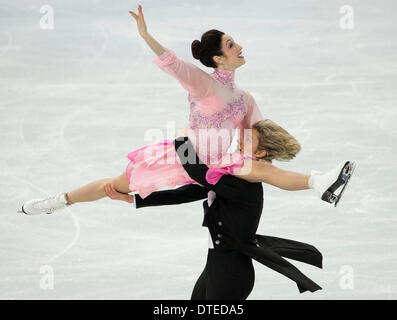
x=197, y=82
x=253, y=113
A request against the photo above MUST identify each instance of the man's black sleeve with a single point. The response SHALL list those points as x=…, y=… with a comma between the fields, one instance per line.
x=228, y=186
x=184, y=194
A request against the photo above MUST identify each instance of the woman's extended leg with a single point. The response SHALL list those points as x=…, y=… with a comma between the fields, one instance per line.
x=90, y=192
x=263, y=171
x=95, y=190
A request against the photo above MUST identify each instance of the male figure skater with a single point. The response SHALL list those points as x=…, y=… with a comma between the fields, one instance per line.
x=232, y=214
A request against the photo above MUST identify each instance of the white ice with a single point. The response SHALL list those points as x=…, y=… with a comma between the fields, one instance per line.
x=76, y=99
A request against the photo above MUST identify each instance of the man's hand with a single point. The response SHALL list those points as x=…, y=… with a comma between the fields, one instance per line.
x=112, y=193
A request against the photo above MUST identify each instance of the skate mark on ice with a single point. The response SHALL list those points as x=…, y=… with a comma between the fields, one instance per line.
x=359, y=45
x=73, y=241
x=74, y=218
x=331, y=76
x=4, y=50
x=71, y=214
x=98, y=53
x=354, y=89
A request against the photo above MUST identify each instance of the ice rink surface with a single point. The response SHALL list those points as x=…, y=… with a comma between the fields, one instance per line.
x=75, y=99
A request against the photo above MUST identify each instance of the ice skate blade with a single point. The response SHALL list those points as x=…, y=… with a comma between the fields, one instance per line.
x=21, y=211
x=342, y=180
x=28, y=214
x=351, y=168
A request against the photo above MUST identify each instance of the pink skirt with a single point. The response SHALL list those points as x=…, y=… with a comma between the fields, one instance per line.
x=158, y=166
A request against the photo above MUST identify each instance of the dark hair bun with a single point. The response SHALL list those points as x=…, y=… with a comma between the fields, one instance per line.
x=209, y=46
x=196, y=49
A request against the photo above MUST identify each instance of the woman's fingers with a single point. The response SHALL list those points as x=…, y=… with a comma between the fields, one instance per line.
x=108, y=190
x=112, y=193
x=139, y=10
x=112, y=190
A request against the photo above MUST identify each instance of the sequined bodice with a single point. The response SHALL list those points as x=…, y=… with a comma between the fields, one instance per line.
x=234, y=109
x=219, y=116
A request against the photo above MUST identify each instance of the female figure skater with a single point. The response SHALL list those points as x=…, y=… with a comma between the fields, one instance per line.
x=218, y=108
x=232, y=214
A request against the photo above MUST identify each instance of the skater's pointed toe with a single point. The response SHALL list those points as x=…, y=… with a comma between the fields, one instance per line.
x=47, y=205
x=340, y=166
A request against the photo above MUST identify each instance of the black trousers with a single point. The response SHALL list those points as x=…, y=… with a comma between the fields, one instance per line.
x=228, y=274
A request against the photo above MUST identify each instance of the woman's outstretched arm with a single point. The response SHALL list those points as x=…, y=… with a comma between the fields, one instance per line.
x=153, y=44
x=142, y=29
x=197, y=82
x=263, y=171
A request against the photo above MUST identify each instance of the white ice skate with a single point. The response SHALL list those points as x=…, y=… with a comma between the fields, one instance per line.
x=325, y=184
x=47, y=205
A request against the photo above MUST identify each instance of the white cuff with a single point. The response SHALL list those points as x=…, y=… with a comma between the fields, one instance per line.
x=210, y=244
x=134, y=203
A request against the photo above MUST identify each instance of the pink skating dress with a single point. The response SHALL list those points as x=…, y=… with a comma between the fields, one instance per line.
x=217, y=109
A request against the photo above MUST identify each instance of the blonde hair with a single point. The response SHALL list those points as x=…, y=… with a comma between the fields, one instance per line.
x=277, y=142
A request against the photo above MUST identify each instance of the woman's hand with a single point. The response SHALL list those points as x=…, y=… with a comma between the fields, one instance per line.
x=112, y=193
x=140, y=21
